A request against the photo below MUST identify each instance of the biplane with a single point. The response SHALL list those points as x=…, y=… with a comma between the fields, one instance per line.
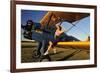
x=51, y=18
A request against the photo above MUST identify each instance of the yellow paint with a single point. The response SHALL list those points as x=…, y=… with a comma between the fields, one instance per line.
x=74, y=43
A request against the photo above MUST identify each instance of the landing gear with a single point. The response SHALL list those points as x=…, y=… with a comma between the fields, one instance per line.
x=45, y=58
x=41, y=58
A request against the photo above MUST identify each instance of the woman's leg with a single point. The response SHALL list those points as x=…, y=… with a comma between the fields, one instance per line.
x=48, y=48
x=54, y=50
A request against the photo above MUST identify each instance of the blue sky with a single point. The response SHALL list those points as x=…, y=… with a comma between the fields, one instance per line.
x=36, y=16
x=80, y=31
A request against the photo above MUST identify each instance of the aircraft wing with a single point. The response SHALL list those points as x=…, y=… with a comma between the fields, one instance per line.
x=53, y=17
